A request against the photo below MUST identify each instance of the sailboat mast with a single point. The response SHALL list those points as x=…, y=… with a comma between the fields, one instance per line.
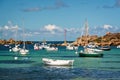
x=23, y=36
x=16, y=36
x=86, y=31
x=65, y=36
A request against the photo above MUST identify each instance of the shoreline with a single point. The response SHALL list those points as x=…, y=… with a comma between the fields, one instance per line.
x=109, y=39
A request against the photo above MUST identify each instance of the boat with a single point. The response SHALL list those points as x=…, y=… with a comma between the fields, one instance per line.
x=105, y=48
x=44, y=45
x=90, y=50
x=93, y=47
x=53, y=62
x=15, y=48
x=49, y=47
x=52, y=49
x=90, y=53
x=37, y=46
x=118, y=46
x=23, y=50
x=71, y=47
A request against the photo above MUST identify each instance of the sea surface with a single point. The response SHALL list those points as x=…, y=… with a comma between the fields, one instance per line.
x=31, y=67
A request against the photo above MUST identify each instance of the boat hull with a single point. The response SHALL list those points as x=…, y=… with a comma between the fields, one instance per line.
x=90, y=55
x=105, y=49
x=52, y=62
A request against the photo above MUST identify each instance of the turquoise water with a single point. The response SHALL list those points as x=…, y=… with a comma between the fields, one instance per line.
x=30, y=66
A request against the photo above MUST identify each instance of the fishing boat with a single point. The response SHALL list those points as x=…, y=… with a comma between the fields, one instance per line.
x=53, y=62
x=89, y=50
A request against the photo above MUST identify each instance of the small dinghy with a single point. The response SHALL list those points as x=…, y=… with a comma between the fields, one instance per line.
x=52, y=62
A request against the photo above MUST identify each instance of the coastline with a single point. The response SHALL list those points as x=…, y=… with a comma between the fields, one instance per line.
x=109, y=39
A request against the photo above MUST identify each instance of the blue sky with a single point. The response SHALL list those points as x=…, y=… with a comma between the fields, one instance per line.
x=47, y=19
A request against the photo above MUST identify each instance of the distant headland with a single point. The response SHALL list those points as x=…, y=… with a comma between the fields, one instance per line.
x=109, y=39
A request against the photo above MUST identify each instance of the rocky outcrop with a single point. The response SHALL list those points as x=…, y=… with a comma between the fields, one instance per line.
x=12, y=41
x=107, y=39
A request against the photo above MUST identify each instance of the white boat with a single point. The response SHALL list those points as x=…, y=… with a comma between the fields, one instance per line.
x=48, y=47
x=71, y=47
x=95, y=50
x=16, y=48
x=52, y=62
x=37, y=46
x=52, y=49
x=23, y=50
x=92, y=47
x=118, y=46
x=44, y=45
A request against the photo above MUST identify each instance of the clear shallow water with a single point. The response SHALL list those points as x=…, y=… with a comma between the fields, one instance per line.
x=30, y=67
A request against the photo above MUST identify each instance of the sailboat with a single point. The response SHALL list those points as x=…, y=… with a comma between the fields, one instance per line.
x=69, y=46
x=16, y=47
x=89, y=51
x=23, y=50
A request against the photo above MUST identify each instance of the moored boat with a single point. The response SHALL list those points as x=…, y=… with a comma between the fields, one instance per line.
x=90, y=49
x=90, y=54
x=118, y=46
x=52, y=49
x=53, y=62
x=15, y=48
x=71, y=47
x=105, y=48
x=23, y=51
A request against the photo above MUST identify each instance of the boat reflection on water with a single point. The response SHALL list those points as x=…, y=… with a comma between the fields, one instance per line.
x=21, y=58
x=59, y=67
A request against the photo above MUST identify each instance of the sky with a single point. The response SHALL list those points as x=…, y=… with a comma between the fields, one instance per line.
x=36, y=20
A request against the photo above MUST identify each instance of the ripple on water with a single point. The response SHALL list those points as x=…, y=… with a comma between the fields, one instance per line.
x=53, y=73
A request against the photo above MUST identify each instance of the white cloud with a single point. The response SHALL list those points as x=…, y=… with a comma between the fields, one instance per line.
x=52, y=28
x=10, y=26
x=15, y=27
x=6, y=27
x=106, y=26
